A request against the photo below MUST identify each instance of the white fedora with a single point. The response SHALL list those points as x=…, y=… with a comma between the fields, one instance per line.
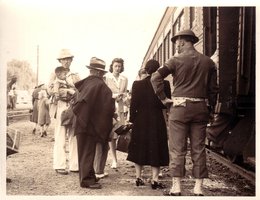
x=65, y=53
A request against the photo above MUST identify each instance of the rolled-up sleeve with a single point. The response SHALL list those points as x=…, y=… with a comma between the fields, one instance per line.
x=157, y=81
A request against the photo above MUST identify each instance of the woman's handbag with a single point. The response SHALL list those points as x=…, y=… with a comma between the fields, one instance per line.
x=67, y=117
x=123, y=129
x=123, y=141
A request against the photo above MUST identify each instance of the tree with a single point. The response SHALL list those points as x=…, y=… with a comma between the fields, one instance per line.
x=26, y=78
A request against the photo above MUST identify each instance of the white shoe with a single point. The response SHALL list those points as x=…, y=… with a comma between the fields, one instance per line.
x=198, y=187
x=176, y=185
x=114, y=165
x=102, y=175
x=160, y=175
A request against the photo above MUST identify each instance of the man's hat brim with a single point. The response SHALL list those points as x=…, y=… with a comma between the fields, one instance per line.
x=65, y=53
x=40, y=85
x=188, y=33
x=96, y=68
x=194, y=38
x=60, y=58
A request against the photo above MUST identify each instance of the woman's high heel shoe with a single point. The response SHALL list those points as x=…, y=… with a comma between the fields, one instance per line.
x=155, y=185
x=139, y=182
x=44, y=133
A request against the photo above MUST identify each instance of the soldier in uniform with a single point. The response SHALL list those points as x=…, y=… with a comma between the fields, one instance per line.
x=195, y=84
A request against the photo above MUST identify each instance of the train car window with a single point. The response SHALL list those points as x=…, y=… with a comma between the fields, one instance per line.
x=192, y=17
x=166, y=47
x=155, y=56
x=210, y=30
x=181, y=22
x=177, y=26
x=174, y=31
x=160, y=54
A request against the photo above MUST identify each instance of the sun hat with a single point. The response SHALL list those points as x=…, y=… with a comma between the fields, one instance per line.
x=64, y=53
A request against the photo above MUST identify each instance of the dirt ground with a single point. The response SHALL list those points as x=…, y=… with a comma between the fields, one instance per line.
x=31, y=173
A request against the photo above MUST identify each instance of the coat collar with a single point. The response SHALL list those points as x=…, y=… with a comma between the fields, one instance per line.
x=79, y=84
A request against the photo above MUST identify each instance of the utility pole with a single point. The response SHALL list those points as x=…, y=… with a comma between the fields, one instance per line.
x=37, y=75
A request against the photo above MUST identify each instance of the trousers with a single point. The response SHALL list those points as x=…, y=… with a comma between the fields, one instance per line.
x=189, y=121
x=59, y=150
x=101, y=157
x=86, y=150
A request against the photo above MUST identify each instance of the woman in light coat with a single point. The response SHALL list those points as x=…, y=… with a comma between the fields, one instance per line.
x=118, y=84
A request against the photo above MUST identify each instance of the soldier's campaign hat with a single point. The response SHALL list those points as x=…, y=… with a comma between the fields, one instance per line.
x=96, y=63
x=65, y=53
x=187, y=32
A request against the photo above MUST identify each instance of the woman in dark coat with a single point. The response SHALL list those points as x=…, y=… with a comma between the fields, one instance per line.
x=148, y=144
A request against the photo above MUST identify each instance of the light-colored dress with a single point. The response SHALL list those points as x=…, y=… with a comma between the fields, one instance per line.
x=35, y=99
x=118, y=86
x=43, y=109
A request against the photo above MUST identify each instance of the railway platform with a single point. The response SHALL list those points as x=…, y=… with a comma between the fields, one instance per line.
x=31, y=173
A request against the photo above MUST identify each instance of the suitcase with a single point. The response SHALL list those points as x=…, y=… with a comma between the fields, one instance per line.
x=13, y=137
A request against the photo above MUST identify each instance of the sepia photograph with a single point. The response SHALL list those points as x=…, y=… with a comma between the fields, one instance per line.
x=128, y=100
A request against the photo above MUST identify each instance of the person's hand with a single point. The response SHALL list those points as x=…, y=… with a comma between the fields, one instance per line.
x=119, y=97
x=48, y=102
x=115, y=115
x=167, y=101
x=70, y=91
x=130, y=124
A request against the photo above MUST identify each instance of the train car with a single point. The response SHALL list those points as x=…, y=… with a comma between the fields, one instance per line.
x=227, y=35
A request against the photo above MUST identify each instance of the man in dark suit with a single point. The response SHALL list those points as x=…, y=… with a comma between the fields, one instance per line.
x=94, y=111
x=195, y=84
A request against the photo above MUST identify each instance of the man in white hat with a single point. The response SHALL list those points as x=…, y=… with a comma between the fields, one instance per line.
x=94, y=111
x=59, y=154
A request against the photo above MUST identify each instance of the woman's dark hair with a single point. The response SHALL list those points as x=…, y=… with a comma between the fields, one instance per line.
x=119, y=60
x=151, y=66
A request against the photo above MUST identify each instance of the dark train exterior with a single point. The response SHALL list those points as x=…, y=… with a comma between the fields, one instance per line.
x=227, y=35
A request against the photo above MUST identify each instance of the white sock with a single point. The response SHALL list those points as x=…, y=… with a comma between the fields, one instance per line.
x=176, y=185
x=198, y=186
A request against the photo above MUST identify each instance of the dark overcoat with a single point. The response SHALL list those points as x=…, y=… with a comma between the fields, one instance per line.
x=94, y=108
x=148, y=144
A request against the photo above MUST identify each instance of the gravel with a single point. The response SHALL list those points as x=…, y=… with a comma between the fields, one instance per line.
x=31, y=173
